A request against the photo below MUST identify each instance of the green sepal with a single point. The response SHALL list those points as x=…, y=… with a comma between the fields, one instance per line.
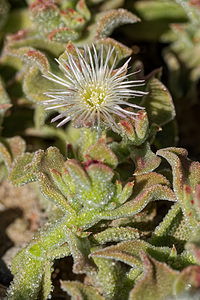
x=135, y=130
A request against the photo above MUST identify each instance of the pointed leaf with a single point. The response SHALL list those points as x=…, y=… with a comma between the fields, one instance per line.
x=156, y=282
x=22, y=172
x=112, y=19
x=129, y=252
x=148, y=187
x=172, y=230
x=186, y=176
x=101, y=152
x=145, y=160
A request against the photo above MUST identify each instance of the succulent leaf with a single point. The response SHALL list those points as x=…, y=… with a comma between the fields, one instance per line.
x=158, y=103
x=112, y=19
x=158, y=278
x=112, y=278
x=148, y=187
x=4, y=9
x=10, y=149
x=173, y=230
x=116, y=234
x=188, y=279
x=80, y=291
x=22, y=172
x=36, y=262
x=4, y=101
x=145, y=160
x=186, y=176
x=101, y=152
x=80, y=249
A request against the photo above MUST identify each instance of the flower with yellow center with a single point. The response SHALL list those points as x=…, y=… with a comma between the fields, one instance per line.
x=93, y=92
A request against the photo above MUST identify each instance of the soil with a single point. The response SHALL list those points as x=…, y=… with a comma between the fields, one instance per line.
x=20, y=217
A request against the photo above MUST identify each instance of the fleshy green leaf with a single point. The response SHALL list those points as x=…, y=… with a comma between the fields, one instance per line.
x=156, y=282
x=80, y=291
x=186, y=176
x=158, y=103
x=112, y=19
x=80, y=249
x=22, y=172
x=101, y=152
x=172, y=230
x=145, y=160
x=148, y=187
x=116, y=234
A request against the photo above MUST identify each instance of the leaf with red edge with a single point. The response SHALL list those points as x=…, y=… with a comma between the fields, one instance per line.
x=156, y=282
x=189, y=279
x=101, y=152
x=145, y=160
x=186, y=177
x=148, y=187
x=112, y=19
x=128, y=252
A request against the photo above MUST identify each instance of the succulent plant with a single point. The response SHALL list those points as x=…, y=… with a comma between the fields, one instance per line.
x=88, y=193
x=123, y=200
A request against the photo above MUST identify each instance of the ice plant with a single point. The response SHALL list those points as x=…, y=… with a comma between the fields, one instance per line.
x=93, y=91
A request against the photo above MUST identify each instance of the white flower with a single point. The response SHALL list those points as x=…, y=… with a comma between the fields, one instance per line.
x=92, y=92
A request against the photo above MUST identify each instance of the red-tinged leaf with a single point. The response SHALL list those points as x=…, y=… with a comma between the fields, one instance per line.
x=148, y=187
x=82, y=8
x=101, y=152
x=31, y=56
x=121, y=51
x=99, y=172
x=145, y=160
x=189, y=279
x=112, y=19
x=129, y=252
x=186, y=176
x=63, y=35
x=156, y=283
